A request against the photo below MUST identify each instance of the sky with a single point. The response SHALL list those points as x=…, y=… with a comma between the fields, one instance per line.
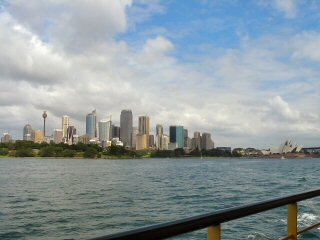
x=245, y=71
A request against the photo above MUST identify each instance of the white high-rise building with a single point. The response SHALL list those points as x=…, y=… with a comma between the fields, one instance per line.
x=104, y=130
x=165, y=142
x=57, y=136
x=65, y=125
x=27, y=132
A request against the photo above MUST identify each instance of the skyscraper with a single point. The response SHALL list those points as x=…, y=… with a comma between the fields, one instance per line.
x=65, y=125
x=71, y=131
x=115, y=131
x=27, y=132
x=196, y=141
x=151, y=141
x=144, y=128
x=91, y=124
x=57, y=136
x=126, y=127
x=176, y=135
x=159, y=129
x=159, y=134
x=104, y=130
x=6, y=138
x=206, y=142
x=134, y=134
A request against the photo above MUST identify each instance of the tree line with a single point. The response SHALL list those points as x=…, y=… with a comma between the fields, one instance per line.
x=22, y=148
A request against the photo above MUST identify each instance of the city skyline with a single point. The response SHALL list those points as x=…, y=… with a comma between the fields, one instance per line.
x=245, y=72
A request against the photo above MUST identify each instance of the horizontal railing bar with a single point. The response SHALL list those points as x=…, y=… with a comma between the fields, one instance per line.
x=308, y=228
x=302, y=231
x=171, y=229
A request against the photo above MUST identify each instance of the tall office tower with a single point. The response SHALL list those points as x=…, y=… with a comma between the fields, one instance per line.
x=126, y=127
x=134, y=134
x=151, y=141
x=141, y=141
x=71, y=131
x=65, y=125
x=185, y=138
x=164, y=142
x=144, y=127
x=104, y=130
x=57, y=136
x=91, y=124
x=159, y=133
x=206, y=142
x=197, y=135
x=196, y=140
x=27, y=132
x=176, y=135
x=159, y=129
x=38, y=136
x=115, y=131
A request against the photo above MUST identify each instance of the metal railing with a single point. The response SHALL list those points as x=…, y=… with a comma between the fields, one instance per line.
x=213, y=221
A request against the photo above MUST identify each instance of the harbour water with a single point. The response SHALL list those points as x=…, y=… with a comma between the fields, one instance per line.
x=81, y=199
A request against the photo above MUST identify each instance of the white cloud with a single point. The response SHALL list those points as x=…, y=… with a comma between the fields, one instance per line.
x=288, y=7
x=282, y=109
x=75, y=25
x=306, y=46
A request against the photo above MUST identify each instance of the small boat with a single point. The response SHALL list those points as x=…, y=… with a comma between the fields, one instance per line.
x=283, y=157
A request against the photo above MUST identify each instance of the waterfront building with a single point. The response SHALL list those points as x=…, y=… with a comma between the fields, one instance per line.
x=159, y=129
x=104, y=130
x=141, y=141
x=144, y=127
x=289, y=147
x=91, y=124
x=71, y=131
x=165, y=142
x=84, y=139
x=226, y=149
x=126, y=127
x=159, y=142
x=27, y=132
x=115, y=131
x=57, y=136
x=188, y=143
x=185, y=138
x=176, y=135
x=135, y=131
x=206, y=141
x=196, y=140
x=172, y=146
x=6, y=138
x=159, y=134
x=75, y=139
x=65, y=125
x=38, y=136
x=116, y=142
x=151, y=141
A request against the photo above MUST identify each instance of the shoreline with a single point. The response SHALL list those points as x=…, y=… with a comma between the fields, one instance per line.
x=281, y=157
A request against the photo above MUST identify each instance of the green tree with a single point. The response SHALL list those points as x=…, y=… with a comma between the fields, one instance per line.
x=48, y=151
x=90, y=153
x=4, y=151
x=24, y=152
x=69, y=153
